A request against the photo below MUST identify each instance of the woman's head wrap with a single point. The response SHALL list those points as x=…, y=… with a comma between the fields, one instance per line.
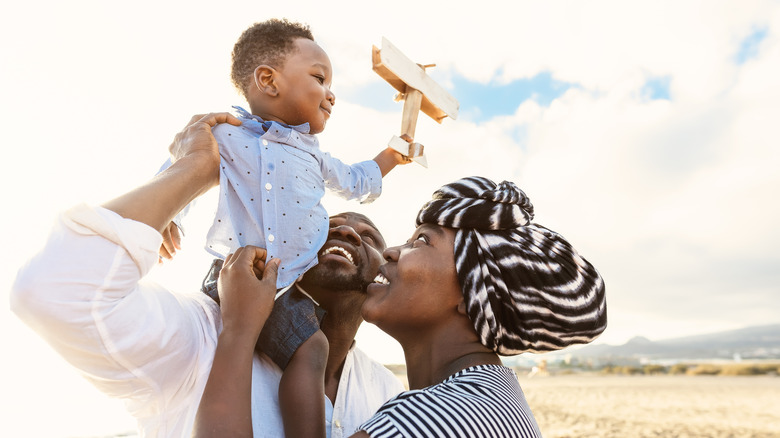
x=525, y=287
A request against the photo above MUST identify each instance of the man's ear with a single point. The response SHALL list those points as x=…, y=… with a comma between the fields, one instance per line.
x=265, y=79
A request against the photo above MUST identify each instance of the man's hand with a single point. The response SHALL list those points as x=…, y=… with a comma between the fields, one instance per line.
x=247, y=285
x=196, y=138
x=194, y=172
x=171, y=241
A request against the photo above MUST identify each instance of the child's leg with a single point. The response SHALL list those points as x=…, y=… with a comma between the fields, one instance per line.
x=302, y=389
x=292, y=338
x=209, y=285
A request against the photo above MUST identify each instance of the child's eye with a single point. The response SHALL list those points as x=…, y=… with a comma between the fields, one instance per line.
x=320, y=79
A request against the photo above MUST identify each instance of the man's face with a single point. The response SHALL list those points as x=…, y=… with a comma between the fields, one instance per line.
x=350, y=258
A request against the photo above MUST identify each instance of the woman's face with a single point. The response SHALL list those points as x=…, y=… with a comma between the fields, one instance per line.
x=418, y=286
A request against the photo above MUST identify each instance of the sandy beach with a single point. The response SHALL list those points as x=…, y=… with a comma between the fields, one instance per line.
x=596, y=406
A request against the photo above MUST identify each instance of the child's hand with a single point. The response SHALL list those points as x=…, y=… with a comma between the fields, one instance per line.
x=399, y=157
x=171, y=242
x=247, y=285
x=389, y=158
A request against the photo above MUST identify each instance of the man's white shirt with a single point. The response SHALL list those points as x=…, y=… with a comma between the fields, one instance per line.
x=138, y=341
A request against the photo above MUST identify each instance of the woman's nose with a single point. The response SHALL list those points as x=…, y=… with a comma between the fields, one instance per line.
x=347, y=233
x=391, y=254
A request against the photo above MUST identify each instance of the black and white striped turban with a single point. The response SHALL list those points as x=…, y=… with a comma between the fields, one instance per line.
x=525, y=287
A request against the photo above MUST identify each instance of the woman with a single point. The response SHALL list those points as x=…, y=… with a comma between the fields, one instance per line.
x=477, y=280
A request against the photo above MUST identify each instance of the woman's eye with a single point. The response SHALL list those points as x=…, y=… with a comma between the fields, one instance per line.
x=422, y=238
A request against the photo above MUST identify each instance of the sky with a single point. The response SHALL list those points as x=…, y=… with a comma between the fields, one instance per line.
x=644, y=132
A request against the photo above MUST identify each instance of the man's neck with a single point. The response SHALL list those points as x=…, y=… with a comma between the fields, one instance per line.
x=337, y=356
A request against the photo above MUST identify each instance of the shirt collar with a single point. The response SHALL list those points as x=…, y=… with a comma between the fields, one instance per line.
x=259, y=126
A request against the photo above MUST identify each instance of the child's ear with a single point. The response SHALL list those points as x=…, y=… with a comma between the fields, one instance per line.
x=265, y=79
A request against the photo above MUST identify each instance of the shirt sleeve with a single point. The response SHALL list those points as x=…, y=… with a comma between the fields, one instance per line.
x=84, y=294
x=361, y=181
x=381, y=426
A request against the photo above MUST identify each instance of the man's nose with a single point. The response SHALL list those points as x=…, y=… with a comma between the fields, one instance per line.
x=347, y=233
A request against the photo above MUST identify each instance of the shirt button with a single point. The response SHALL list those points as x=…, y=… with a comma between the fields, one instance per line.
x=270, y=237
x=268, y=186
x=265, y=142
x=337, y=423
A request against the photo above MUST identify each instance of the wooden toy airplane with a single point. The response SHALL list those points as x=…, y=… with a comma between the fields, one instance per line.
x=418, y=91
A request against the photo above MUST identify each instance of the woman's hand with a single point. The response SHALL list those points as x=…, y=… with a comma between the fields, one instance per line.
x=247, y=286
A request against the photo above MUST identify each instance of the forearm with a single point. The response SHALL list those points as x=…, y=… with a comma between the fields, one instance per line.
x=225, y=409
x=246, y=301
x=157, y=202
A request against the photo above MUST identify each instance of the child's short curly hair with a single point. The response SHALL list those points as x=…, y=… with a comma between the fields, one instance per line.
x=268, y=42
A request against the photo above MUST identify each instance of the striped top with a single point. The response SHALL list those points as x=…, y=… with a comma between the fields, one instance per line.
x=480, y=401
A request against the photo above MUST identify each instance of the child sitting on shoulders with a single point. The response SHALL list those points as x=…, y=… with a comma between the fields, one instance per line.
x=273, y=176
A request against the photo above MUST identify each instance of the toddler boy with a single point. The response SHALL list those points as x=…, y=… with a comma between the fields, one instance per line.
x=272, y=180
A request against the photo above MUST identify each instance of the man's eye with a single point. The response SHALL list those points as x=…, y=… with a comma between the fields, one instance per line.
x=368, y=237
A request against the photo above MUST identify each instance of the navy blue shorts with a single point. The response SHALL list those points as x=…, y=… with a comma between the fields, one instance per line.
x=293, y=320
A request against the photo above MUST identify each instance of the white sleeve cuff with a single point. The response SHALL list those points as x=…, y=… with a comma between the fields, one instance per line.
x=141, y=241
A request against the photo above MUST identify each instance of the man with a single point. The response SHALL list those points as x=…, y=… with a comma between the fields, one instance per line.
x=153, y=348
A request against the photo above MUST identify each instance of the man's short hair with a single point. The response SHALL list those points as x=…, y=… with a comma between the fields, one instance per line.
x=268, y=42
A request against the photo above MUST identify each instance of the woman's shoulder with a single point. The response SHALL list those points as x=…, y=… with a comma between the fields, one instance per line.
x=475, y=384
x=483, y=398
x=483, y=375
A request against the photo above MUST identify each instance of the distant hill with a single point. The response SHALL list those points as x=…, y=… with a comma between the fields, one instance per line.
x=758, y=342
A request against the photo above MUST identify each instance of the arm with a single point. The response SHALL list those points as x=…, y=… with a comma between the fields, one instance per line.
x=82, y=291
x=173, y=233
x=194, y=171
x=246, y=301
x=361, y=181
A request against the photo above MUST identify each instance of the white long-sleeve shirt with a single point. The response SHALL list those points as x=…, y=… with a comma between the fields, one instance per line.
x=84, y=294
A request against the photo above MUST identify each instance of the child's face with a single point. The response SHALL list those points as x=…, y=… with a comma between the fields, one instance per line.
x=304, y=87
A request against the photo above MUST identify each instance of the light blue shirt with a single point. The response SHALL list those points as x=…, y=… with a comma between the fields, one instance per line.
x=270, y=190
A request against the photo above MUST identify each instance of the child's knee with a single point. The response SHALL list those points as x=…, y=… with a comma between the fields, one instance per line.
x=312, y=353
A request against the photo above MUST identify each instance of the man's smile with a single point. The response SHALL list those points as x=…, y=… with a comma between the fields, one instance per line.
x=339, y=251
